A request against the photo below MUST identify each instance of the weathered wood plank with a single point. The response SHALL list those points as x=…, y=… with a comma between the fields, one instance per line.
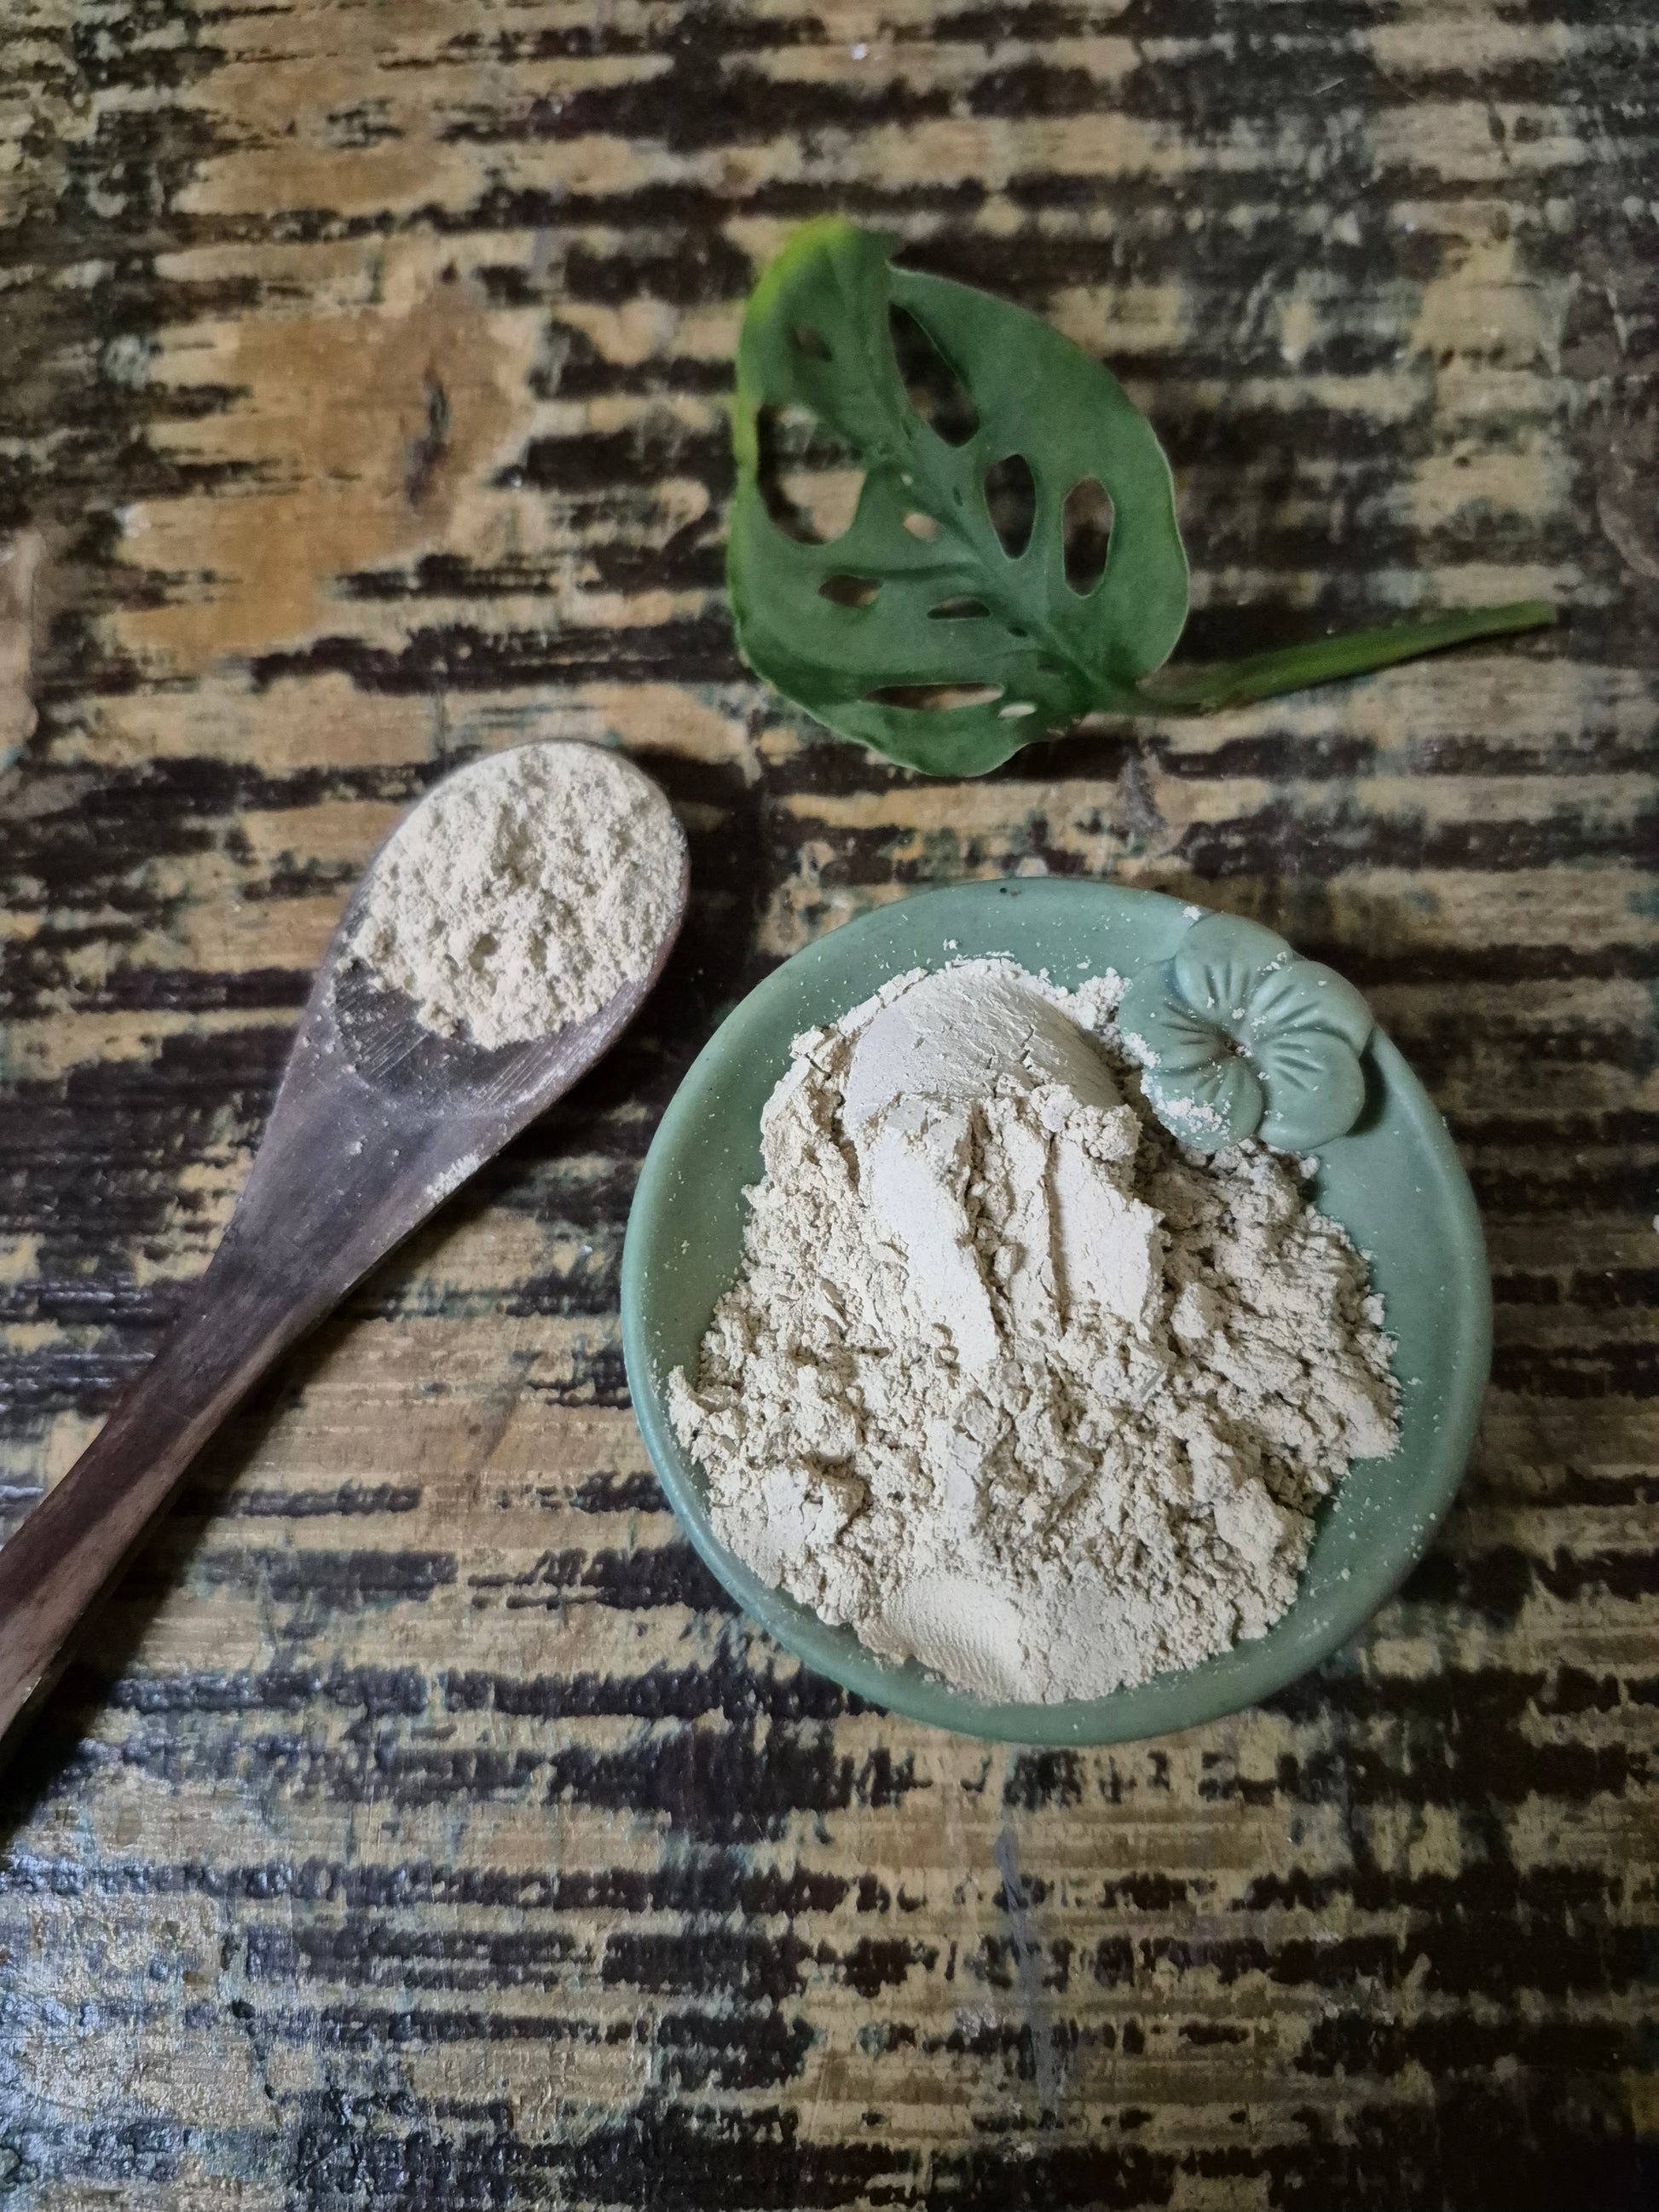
x=423, y=1827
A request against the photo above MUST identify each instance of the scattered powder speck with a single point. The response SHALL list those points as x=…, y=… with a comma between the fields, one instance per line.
x=524, y=893
x=1010, y=1383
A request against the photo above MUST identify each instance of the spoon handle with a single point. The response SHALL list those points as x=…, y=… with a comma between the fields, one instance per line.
x=330, y=1194
x=75, y=1542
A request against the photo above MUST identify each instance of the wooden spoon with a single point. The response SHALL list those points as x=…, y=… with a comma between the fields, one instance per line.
x=377, y=1119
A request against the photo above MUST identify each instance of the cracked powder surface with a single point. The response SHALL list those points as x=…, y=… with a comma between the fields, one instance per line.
x=1009, y=1382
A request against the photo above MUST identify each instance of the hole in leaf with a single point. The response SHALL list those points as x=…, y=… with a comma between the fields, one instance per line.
x=849, y=591
x=921, y=525
x=957, y=610
x=931, y=386
x=1010, y=501
x=808, y=479
x=934, y=698
x=1015, y=708
x=1085, y=525
x=809, y=341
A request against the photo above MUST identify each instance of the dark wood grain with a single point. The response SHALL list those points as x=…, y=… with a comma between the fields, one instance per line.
x=424, y=1829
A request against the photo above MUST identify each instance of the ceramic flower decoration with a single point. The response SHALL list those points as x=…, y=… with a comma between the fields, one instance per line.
x=1238, y=1036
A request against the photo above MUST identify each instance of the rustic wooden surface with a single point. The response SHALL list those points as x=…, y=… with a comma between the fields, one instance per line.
x=421, y=1828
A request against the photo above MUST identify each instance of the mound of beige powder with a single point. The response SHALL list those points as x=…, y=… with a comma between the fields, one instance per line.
x=1010, y=1383
x=524, y=893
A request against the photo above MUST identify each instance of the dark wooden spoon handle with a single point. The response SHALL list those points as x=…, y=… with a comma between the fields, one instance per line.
x=73, y=1544
x=338, y=1183
x=343, y=1176
x=349, y=1167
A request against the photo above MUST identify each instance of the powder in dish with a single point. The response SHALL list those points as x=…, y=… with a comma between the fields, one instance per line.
x=1010, y=1383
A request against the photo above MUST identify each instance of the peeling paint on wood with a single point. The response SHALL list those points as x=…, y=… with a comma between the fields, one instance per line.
x=421, y=1828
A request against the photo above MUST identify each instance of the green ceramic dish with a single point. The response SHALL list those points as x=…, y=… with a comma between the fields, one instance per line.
x=1393, y=1183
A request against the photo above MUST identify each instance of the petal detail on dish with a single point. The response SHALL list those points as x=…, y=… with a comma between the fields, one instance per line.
x=1315, y=1088
x=1220, y=961
x=1305, y=995
x=1160, y=1031
x=1210, y=1107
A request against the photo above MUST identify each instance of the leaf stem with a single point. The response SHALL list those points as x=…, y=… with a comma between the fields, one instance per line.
x=1328, y=660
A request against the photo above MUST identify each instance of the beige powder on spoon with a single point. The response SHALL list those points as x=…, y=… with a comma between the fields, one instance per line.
x=524, y=893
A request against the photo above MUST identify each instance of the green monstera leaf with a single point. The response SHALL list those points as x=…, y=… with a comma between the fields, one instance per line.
x=817, y=337
x=934, y=626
